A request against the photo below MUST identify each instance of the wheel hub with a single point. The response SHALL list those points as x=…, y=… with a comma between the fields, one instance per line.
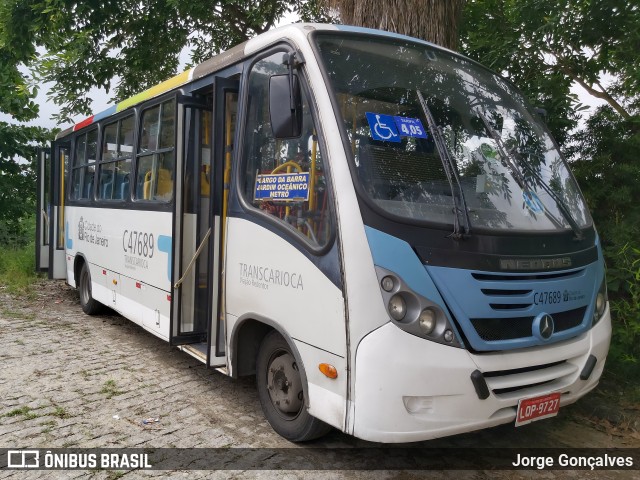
x=284, y=384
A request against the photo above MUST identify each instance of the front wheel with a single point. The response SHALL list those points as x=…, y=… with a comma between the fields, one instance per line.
x=90, y=306
x=281, y=392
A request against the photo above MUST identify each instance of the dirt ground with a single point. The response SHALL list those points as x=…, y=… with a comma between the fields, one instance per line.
x=70, y=380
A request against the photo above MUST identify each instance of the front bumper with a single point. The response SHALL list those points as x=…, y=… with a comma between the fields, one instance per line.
x=408, y=389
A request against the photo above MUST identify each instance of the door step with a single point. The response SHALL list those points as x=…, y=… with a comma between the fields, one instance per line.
x=196, y=350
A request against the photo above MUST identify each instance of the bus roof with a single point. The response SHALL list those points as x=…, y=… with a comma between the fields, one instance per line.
x=222, y=60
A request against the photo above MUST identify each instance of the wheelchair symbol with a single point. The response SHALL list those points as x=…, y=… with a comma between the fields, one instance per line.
x=382, y=127
x=532, y=202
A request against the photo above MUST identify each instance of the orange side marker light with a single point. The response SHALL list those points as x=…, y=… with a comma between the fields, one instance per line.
x=328, y=371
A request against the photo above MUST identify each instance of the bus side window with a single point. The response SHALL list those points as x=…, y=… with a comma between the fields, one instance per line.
x=115, y=166
x=84, y=165
x=156, y=155
x=284, y=178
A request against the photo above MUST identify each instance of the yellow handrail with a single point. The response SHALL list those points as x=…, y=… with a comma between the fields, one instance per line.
x=290, y=163
x=312, y=181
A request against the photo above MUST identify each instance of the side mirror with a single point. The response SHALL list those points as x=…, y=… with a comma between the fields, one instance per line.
x=285, y=106
x=541, y=112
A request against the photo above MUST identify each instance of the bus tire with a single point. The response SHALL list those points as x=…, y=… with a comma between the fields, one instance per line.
x=90, y=306
x=281, y=392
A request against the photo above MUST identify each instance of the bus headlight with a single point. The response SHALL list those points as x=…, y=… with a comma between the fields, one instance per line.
x=397, y=307
x=427, y=321
x=387, y=283
x=414, y=313
x=601, y=302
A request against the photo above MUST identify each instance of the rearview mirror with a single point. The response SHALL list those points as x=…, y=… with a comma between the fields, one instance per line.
x=541, y=112
x=285, y=106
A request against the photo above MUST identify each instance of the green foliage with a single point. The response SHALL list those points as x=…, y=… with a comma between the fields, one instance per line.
x=609, y=174
x=607, y=168
x=17, y=268
x=110, y=389
x=625, y=310
x=18, y=151
x=124, y=45
x=544, y=46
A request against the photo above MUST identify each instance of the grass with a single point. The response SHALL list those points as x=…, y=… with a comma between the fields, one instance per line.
x=18, y=268
x=25, y=411
x=114, y=475
x=61, y=413
x=48, y=426
x=16, y=314
x=110, y=389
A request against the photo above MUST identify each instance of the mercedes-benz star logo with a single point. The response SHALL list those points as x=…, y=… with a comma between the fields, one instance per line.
x=546, y=326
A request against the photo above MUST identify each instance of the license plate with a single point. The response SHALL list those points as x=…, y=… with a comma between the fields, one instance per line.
x=537, y=408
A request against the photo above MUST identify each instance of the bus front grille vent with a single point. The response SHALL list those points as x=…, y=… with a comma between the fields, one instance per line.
x=508, y=384
x=492, y=277
x=497, y=329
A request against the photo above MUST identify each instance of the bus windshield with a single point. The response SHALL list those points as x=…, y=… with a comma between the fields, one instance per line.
x=437, y=138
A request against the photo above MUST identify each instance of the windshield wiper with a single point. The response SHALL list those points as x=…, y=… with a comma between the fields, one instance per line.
x=517, y=174
x=459, y=202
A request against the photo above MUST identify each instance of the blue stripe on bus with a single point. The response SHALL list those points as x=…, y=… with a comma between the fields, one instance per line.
x=104, y=114
x=396, y=255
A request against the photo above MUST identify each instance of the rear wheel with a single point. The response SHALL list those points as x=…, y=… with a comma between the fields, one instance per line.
x=282, y=393
x=90, y=306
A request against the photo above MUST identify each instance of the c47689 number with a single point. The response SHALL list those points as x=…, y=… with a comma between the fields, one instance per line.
x=547, y=298
x=138, y=243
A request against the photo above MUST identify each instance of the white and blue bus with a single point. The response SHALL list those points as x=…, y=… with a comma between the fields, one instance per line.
x=381, y=230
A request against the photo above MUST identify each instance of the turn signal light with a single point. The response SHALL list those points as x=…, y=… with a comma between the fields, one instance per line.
x=328, y=371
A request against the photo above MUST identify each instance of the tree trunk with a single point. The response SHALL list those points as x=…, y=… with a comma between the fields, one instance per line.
x=432, y=20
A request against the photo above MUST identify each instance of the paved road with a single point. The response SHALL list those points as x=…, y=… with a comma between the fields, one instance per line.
x=70, y=380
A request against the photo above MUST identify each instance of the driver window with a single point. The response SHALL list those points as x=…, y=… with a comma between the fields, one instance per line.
x=284, y=178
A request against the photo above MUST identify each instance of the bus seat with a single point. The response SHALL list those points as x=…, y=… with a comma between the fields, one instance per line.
x=124, y=188
x=88, y=187
x=117, y=191
x=140, y=180
x=107, y=190
x=147, y=185
x=205, y=188
x=164, y=184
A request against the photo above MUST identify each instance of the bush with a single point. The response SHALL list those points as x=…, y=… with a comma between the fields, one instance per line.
x=608, y=172
x=625, y=309
x=17, y=257
x=17, y=268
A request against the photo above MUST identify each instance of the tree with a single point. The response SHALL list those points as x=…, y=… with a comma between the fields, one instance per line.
x=124, y=45
x=544, y=46
x=18, y=149
x=608, y=171
x=433, y=20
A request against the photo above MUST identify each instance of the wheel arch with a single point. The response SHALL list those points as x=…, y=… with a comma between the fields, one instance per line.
x=78, y=262
x=244, y=343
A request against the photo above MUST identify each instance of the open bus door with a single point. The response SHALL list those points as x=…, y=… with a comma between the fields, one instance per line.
x=197, y=325
x=43, y=209
x=51, y=208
